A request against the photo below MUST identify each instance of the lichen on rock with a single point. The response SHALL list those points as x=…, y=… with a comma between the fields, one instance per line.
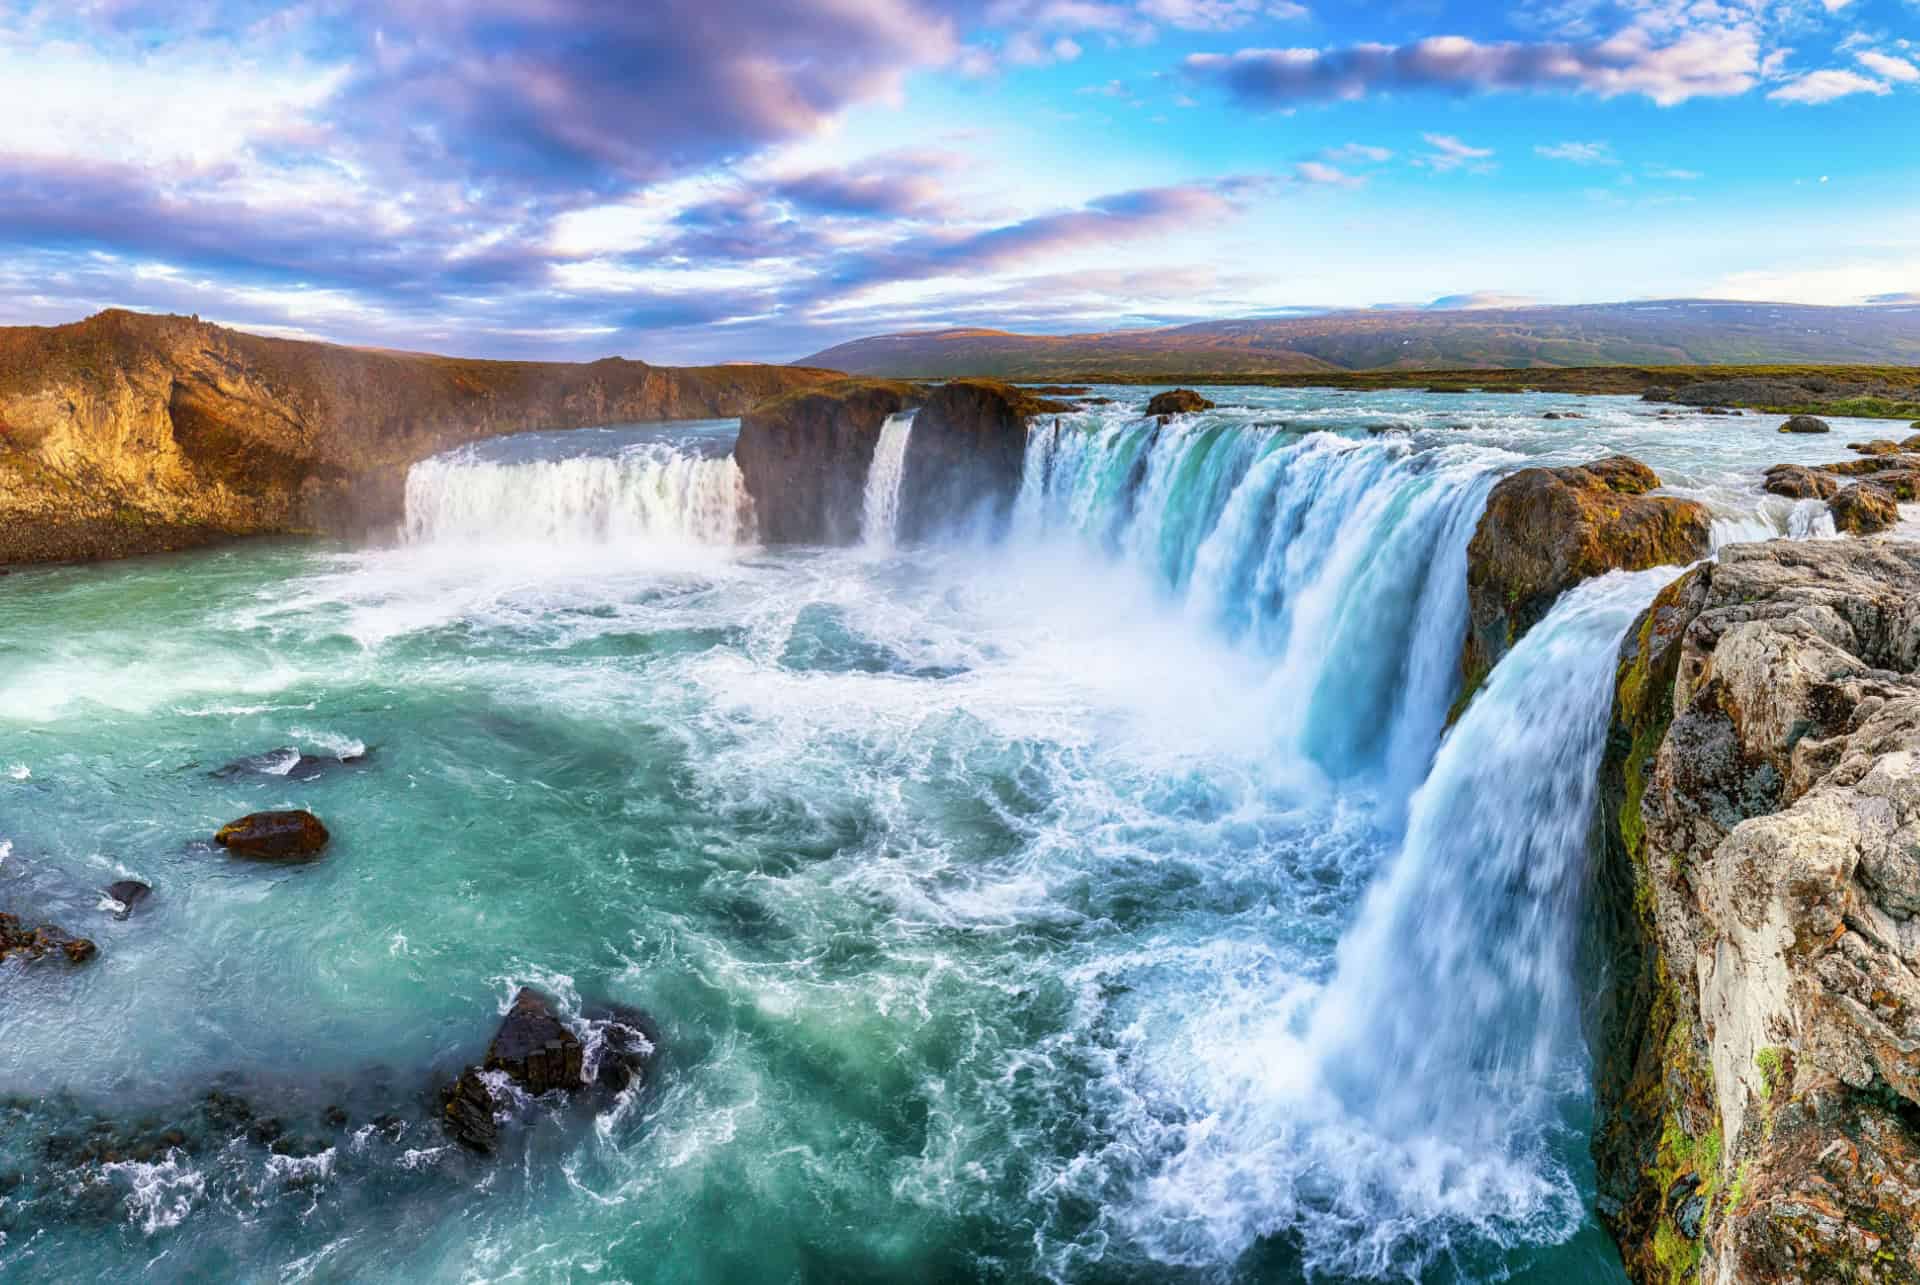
x=1757, y=923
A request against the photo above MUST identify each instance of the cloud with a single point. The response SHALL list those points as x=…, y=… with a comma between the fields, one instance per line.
x=1321, y=174
x=1449, y=153
x=1836, y=283
x=1904, y=296
x=899, y=185
x=1579, y=153
x=1220, y=15
x=1356, y=153
x=1480, y=299
x=1825, y=86
x=1897, y=69
x=1678, y=175
x=1714, y=62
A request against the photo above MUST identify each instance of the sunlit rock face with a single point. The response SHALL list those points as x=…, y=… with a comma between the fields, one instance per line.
x=128, y=433
x=1758, y=1086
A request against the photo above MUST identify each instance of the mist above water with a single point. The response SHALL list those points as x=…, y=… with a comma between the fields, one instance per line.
x=1102, y=904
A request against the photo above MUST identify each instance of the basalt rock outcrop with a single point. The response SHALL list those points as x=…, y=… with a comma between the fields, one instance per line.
x=1757, y=912
x=1806, y=424
x=1547, y=529
x=806, y=456
x=965, y=458
x=129, y=433
x=533, y=1052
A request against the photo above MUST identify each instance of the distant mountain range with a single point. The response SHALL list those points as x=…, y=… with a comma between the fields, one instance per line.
x=1672, y=332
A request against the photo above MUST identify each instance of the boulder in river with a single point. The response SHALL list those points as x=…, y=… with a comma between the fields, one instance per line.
x=1798, y=482
x=274, y=836
x=290, y=763
x=1547, y=529
x=534, y=1052
x=1757, y=1033
x=127, y=893
x=1878, y=446
x=17, y=941
x=1178, y=401
x=1805, y=424
x=1864, y=508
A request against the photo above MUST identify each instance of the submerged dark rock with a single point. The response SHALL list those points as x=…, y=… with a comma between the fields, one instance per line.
x=17, y=941
x=534, y=1048
x=1547, y=529
x=1806, y=424
x=289, y=763
x=129, y=893
x=274, y=836
x=1179, y=401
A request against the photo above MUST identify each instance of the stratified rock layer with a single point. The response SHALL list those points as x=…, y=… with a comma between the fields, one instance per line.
x=128, y=433
x=1757, y=1043
x=1547, y=529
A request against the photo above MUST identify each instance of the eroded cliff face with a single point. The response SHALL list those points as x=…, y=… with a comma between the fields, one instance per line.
x=1758, y=914
x=128, y=433
x=806, y=456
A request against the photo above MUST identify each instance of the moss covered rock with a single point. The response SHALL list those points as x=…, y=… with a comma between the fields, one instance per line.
x=1546, y=529
x=1179, y=401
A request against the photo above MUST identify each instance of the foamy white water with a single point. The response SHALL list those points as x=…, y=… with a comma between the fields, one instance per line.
x=880, y=514
x=1100, y=905
x=636, y=493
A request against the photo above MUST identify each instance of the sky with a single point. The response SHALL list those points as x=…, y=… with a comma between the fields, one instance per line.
x=709, y=180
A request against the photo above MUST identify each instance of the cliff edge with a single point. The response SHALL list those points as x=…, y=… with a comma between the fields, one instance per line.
x=1757, y=1041
x=131, y=433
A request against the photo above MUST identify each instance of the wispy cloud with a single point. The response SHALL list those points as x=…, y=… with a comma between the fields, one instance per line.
x=1896, y=69
x=1449, y=153
x=1579, y=153
x=1826, y=86
x=1705, y=63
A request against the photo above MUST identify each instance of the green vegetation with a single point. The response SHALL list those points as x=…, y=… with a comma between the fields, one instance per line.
x=1772, y=1063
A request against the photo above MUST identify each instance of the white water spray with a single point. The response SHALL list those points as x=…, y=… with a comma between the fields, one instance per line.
x=880, y=511
x=655, y=493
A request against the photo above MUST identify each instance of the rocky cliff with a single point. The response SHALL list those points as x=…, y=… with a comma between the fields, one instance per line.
x=1757, y=921
x=128, y=433
x=805, y=456
x=1545, y=530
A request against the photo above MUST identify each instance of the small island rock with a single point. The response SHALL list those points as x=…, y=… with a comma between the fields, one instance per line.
x=1805, y=424
x=19, y=941
x=1863, y=508
x=1180, y=401
x=274, y=836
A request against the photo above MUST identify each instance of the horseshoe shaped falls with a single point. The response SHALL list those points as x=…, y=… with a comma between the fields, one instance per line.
x=1091, y=887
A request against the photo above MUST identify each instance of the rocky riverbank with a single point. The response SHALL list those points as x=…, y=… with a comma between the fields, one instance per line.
x=1757, y=921
x=127, y=433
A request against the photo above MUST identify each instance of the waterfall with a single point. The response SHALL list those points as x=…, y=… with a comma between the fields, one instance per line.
x=880, y=511
x=1421, y=1104
x=651, y=493
x=1342, y=561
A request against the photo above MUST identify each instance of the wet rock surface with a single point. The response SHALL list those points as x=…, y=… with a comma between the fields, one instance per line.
x=289, y=763
x=804, y=457
x=1757, y=1046
x=128, y=893
x=1178, y=401
x=533, y=1053
x=274, y=836
x=1806, y=424
x=965, y=458
x=20, y=941
x=1546, y=529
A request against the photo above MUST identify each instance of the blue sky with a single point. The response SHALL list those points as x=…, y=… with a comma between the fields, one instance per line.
x=686, y=180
